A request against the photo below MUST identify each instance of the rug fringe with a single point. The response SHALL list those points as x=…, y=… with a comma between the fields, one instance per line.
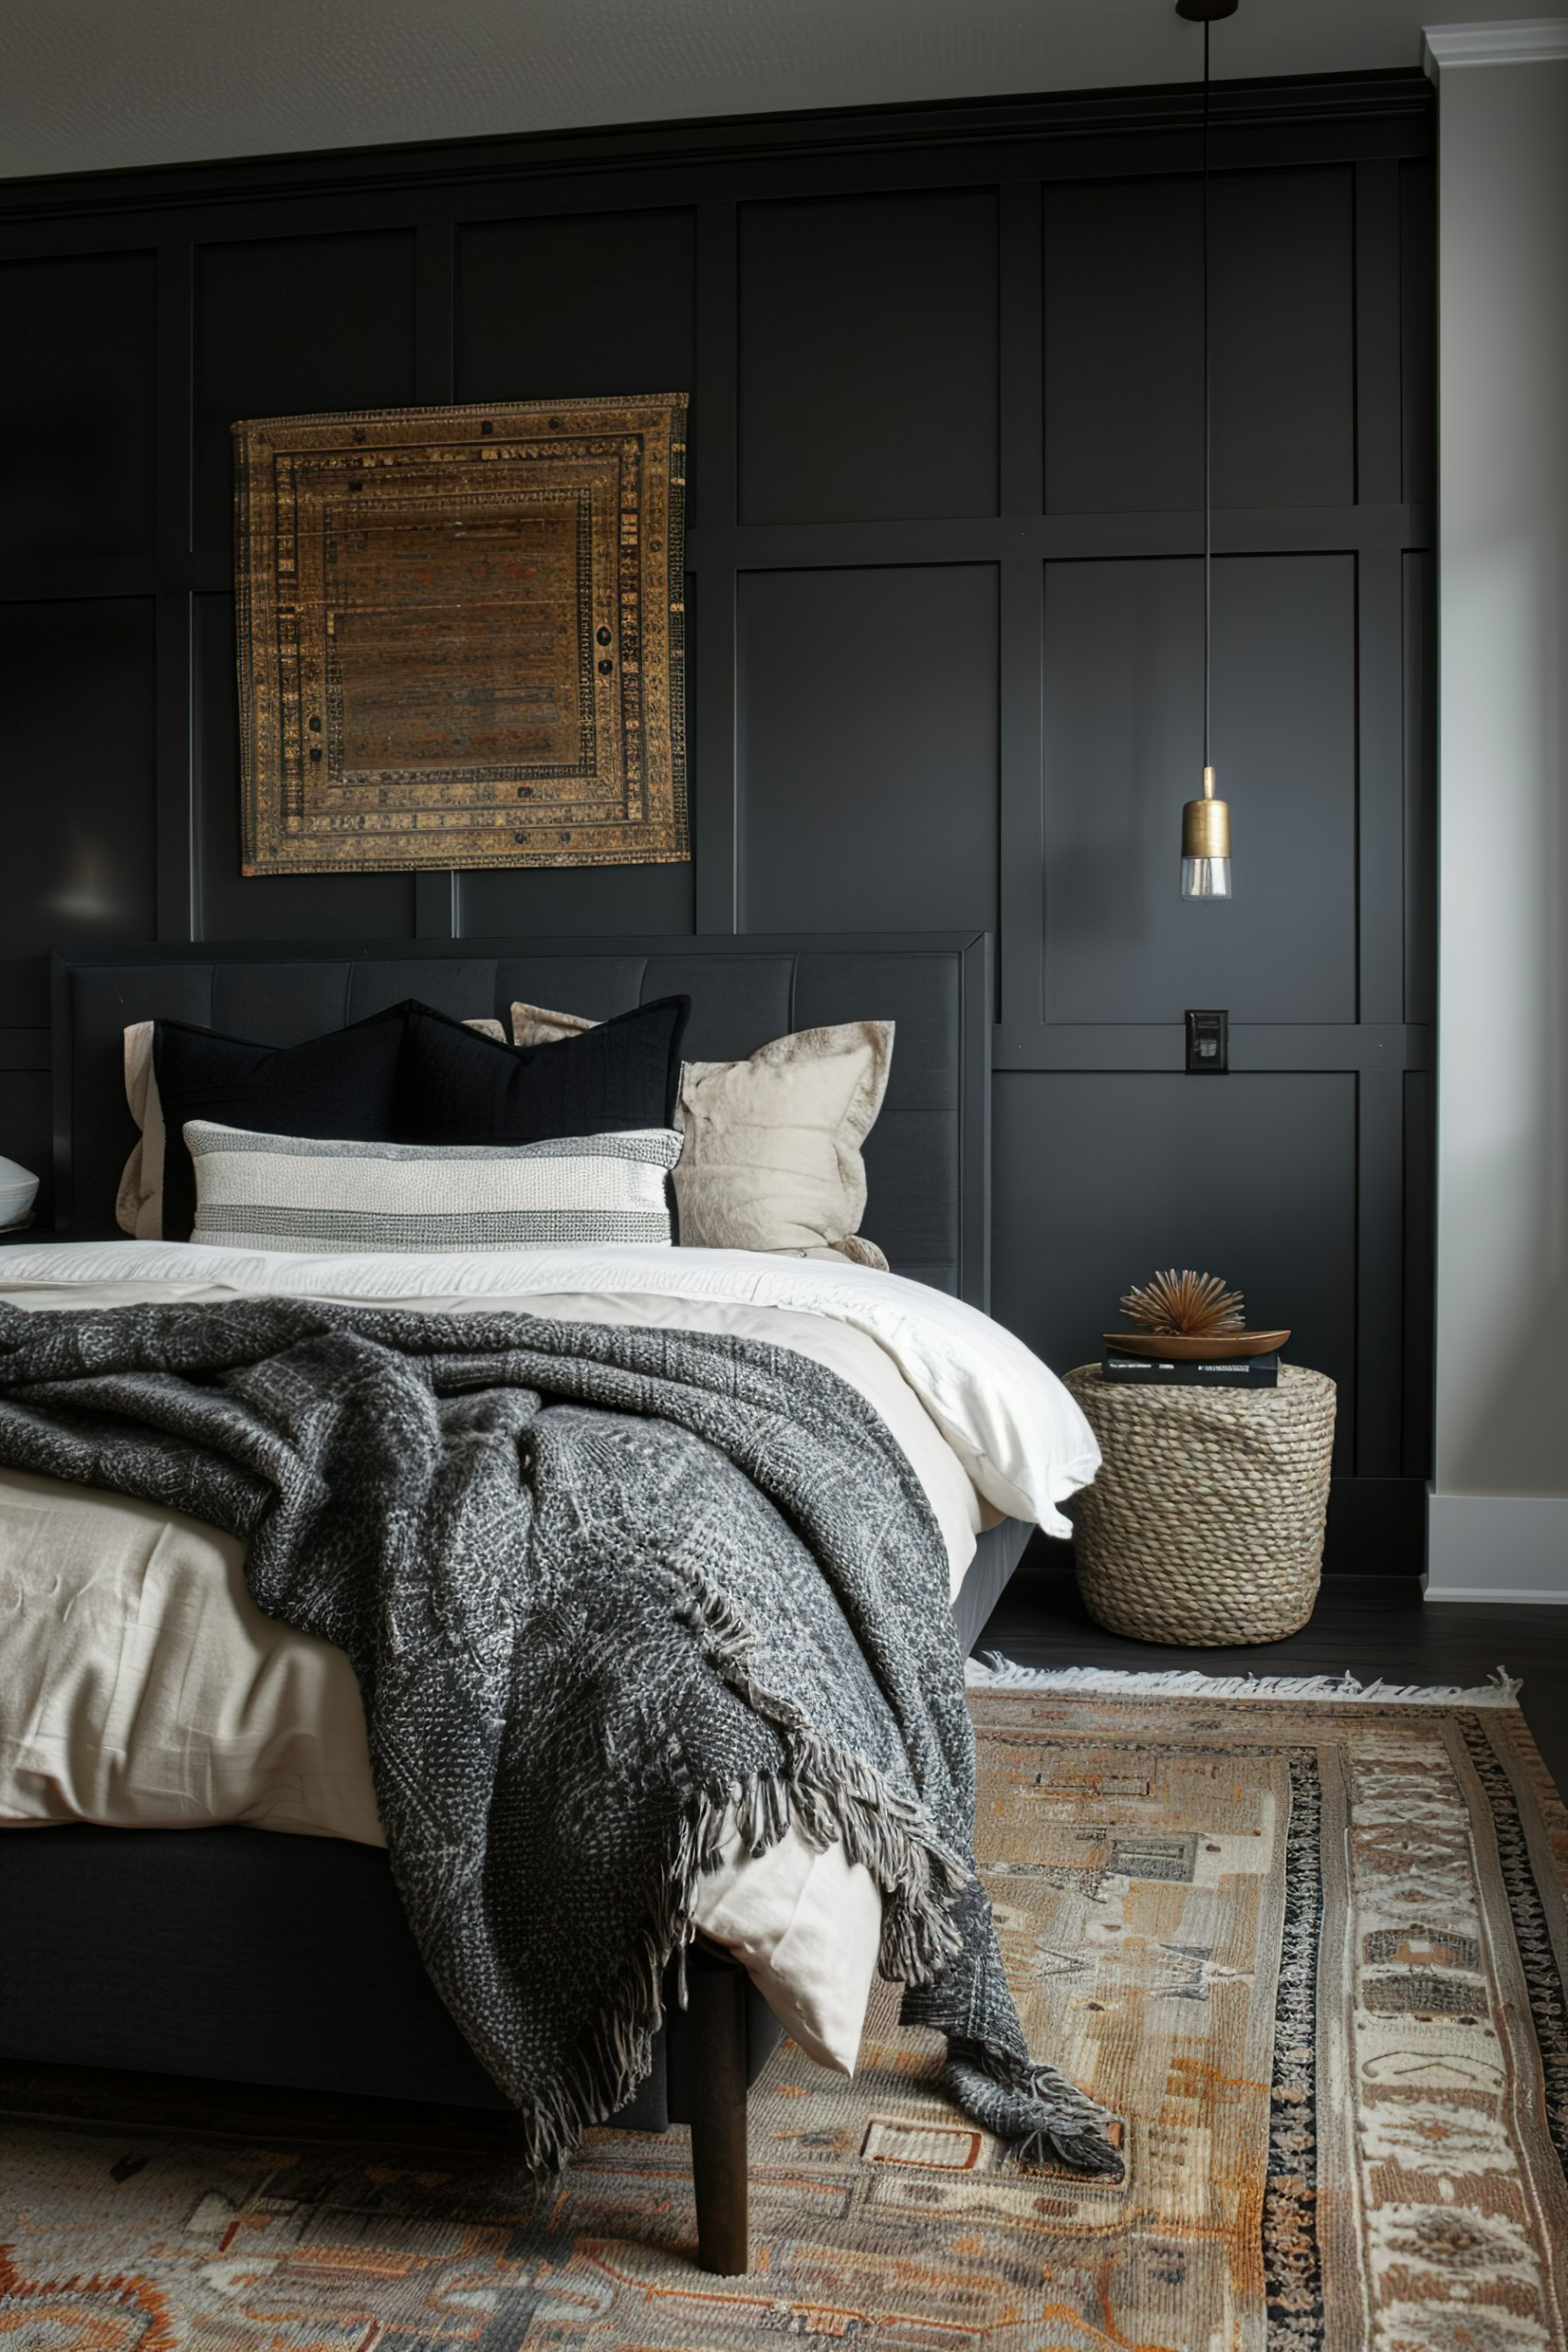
x=995, y=1673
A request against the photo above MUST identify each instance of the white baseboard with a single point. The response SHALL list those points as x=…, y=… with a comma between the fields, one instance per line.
x=1497, y=1548
x=1495, y=1596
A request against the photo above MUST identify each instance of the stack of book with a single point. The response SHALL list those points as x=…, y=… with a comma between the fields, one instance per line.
x=1161, y=1371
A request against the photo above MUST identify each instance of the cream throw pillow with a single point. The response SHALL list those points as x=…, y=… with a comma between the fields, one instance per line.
x=139, y=1204
x=773, y=1144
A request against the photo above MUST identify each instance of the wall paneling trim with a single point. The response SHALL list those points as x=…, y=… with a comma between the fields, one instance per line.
x=943, y=617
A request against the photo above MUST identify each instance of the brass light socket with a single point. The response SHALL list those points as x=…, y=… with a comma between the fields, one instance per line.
x=1206, y=829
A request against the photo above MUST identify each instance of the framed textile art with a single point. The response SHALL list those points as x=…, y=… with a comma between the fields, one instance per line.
x=460, y=637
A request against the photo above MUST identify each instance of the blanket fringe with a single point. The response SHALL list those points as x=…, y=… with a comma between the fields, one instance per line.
x=833, y=1796
x=616, y=2055
x=836, y=1796
x=602, y=2075
x=995, y=1673
x=1032, y=2107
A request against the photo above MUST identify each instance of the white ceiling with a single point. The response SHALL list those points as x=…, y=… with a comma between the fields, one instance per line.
x=86, y=83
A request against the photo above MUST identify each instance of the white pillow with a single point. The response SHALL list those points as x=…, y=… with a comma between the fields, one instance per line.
x=771, y=1154
x=261, y=1191
x=139, y=1204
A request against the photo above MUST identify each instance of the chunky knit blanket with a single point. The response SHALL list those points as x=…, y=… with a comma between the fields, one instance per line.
x=606, y=1591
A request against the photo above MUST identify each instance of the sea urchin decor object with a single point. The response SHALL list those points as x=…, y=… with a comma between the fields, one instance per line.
x=1190, y=1319
x=1193, y=1305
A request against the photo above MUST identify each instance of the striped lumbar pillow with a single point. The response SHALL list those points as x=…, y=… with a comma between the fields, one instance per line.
x=260, y=1192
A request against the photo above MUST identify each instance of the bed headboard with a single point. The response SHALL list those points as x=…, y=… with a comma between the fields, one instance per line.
x=927, y=1159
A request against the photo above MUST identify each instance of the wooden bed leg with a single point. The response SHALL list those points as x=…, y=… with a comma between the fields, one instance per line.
x=717, y=2114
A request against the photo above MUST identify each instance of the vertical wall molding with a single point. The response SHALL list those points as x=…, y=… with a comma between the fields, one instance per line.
x=438, y=898
x=179, y=819
x=437, y=912
x=178, y=863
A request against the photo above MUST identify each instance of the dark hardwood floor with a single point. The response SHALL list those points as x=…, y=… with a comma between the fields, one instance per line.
x=1372, y=1625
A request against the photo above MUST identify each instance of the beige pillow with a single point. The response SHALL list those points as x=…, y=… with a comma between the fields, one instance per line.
x=772, y=1157
x=533, y=1024
x=139, y=1204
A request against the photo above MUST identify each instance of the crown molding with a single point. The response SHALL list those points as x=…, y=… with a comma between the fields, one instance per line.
x=1279, y=104
x=1518, y=40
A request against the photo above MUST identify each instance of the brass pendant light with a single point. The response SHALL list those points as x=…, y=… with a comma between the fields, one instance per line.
x=1206, y=823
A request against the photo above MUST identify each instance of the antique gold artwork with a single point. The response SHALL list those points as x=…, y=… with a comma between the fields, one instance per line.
x=460, y=637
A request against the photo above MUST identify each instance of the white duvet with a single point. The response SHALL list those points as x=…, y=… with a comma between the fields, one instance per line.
x=140, y=1687
x=1010, y=1420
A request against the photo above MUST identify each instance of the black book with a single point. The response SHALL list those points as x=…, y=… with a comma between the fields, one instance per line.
x=1161, y=1371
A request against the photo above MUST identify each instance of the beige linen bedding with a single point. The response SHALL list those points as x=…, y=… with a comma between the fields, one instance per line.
x=140, y=1686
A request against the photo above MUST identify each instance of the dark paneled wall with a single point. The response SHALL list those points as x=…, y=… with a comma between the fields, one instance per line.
x=945, y=604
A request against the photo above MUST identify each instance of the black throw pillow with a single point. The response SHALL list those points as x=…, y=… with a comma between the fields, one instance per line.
x=456, y=1086
x=341, y=1087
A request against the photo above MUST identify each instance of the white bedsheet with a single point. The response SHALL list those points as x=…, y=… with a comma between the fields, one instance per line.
x=140, y=1687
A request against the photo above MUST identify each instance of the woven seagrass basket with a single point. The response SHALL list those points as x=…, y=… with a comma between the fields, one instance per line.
x=1205, y=1524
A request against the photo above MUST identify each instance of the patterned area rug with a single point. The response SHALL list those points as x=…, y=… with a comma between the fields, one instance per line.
x=1311, y=1950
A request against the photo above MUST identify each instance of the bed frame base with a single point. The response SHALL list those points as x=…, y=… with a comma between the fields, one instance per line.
x=239, y=1955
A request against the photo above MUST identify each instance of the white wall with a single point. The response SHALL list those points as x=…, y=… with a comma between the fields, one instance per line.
x=1498, y=1517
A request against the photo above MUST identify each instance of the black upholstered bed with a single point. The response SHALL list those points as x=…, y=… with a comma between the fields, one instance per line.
x=247, y=1957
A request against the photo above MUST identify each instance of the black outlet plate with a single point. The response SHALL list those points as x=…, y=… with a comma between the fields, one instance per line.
x=1208, y=1044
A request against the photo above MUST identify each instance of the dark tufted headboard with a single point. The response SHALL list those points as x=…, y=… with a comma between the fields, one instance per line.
x=927, y=1159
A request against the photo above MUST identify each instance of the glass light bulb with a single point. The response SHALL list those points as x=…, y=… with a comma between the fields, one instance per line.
x=1205, y=877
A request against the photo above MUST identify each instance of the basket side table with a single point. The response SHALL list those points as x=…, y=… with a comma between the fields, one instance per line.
x=1205, y=1524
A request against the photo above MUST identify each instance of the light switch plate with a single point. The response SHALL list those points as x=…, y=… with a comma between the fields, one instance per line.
x=1208, y=1044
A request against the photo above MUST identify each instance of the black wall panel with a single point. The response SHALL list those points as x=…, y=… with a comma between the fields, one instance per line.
x=868, y=358
x=575, y=309
x=76, y=702
x=1124, y=341
x=1123, y=750
x=867, y=726
x=78, y=406
x=586, y=900
x=1102, y=1180
x=1123, y=345
x=1282, y=337
x=943, y=616
x=288, y=325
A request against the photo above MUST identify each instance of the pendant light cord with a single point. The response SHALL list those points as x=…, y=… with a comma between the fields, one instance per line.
x=1208, y=462
x=1207, y=431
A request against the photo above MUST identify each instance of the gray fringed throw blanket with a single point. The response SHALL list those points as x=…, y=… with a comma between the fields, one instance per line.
x=597, y=1586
